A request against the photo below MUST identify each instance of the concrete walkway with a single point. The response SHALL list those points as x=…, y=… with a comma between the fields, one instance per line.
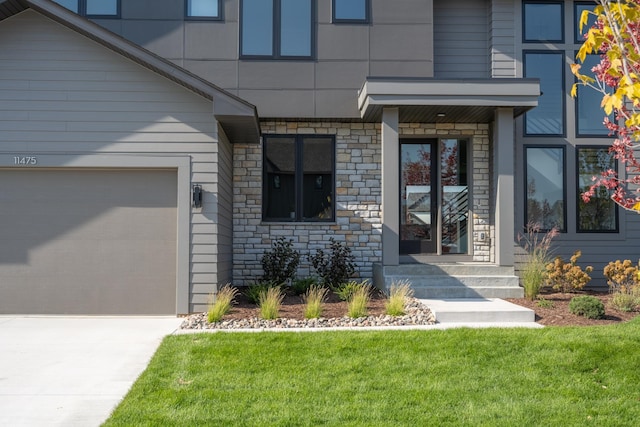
x=72, y=371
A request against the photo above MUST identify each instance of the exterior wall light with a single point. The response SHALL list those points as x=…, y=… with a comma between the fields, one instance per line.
x=196, y=196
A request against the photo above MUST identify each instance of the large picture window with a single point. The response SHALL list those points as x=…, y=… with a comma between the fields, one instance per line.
x=298, y=178
x=543, y=21
x=277, y=29
x=93, y=8
x=350, y=11
x=548, y=117
x=545, y=187
x=600, y=214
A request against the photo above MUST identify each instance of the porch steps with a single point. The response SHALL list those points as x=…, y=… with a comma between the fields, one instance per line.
x=471, y=311
x=452, y=280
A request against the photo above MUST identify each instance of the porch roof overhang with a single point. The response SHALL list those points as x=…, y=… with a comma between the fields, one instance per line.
x=452, y=101
x=237, y=117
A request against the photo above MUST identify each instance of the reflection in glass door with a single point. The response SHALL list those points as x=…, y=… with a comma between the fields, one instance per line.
x=434, y=197
x=418, y=199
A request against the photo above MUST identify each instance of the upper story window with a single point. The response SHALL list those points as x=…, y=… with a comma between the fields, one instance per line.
x=298, y=178
x=548, y=117
x=589, y=114
x=543, y=21
x=203, y=9
x=350, y=11
x=278, y=29
x=93, y=8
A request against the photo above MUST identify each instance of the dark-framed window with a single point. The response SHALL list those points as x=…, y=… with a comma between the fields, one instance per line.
x=277, y=29
x=350, y=11
x=548, y=117
x=543, y=21
x=545, y=179
x=578, y=8
x=298, y=178
x=93, y=8
x=600, y=214
x=203, y=10
x=589, y=115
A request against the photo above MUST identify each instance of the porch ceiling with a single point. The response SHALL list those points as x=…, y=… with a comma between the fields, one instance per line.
x=450, y=101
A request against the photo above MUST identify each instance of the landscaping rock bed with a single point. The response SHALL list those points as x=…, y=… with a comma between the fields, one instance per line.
x=416, y=314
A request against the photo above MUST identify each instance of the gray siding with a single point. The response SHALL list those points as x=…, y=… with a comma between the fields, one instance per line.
x=502, y=38
x=461, y=44
x=62, y=93
x=397, y=43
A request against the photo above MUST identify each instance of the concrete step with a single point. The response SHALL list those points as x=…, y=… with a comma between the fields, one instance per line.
x=479, y=310
x=436, y=292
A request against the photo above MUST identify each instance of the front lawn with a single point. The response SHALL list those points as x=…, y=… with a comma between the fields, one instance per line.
x=554, y=376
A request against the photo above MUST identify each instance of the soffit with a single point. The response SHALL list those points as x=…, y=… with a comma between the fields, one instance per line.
x=447, y=101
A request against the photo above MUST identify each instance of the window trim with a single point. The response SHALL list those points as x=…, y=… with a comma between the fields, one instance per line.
x=188, y=17
x=366, y=20
x=299, y=177
x=563, y=147
x=277, y=30
x=524, y=21
x=578, y=192
x=563, y=92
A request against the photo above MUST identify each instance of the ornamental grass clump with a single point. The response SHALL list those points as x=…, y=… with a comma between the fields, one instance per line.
x=270, y=301
x=313, y=299
x=534, y=272
x=358, y=301
x=220, y=304
x=624, y=282
x=569, y=277
x=399, y=294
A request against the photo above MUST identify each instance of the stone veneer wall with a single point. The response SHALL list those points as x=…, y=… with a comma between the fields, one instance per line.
x=358, y=195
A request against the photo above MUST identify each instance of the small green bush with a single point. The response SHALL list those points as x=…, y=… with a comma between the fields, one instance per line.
x=220, y=304
x=587, y=306
x=280, y=262
x=334, y=267
x=270, y=301
x=624, y=301
x=301, y=286
x=544, y=303
x=313, y=299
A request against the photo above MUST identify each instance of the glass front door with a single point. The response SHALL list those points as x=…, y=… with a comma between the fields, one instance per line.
x=434, y=197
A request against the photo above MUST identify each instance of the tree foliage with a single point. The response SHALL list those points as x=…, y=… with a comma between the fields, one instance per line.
x=615, y=37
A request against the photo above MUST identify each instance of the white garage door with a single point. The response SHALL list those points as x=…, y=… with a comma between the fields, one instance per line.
x=87, y=241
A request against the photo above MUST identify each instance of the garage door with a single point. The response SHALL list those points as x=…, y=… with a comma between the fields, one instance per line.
x=87, y=241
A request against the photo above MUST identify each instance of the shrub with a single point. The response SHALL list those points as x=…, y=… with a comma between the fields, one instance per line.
x=624, y=301
x=544, y=303
x=399, y=294
x=538, y=249
x=587, y=306
x=220, y=304
x=622, y=276
x=270, y=301
x=345, y=290
x=358, y=301
x=335, y=267
x=280, y=262
x=569, y=277
x=301, y=286
x=313, y=299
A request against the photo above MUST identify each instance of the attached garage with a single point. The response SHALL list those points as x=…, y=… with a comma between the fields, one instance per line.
x=81, y=241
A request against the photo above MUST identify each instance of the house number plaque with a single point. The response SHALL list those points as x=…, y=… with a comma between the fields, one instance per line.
x=25, y=160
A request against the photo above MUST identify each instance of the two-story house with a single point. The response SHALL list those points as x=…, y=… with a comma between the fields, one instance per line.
x=151, y=151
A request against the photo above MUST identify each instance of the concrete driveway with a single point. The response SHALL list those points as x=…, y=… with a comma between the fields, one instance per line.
x=72, y=371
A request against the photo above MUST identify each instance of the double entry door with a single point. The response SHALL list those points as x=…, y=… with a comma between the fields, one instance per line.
x=434, y=196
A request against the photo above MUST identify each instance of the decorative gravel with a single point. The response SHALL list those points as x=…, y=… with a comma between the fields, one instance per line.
x=416, y=314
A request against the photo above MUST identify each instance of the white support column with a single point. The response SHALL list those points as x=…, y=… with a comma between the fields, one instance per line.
x=390, y=188
x=503, y=146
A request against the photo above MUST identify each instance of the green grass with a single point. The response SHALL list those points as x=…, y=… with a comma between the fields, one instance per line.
x=270, y=301
x=576, y=376
x=220, y=304
x=358, y=301
x=313, y=299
